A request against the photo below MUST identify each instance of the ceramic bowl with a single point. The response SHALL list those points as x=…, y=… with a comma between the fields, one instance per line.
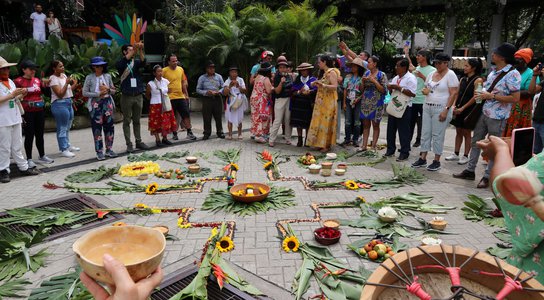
x=191, y=159
x=331, y=223
x=194, y=168
x=326, y=165
x=140, y=249
x=340, y=172
x=327, y=241
x=258, y=196
x=326, y=172
x=314, y=169
x=331, y=156
x=342, y=166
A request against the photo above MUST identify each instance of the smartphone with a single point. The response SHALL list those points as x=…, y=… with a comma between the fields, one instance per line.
x=522, y=145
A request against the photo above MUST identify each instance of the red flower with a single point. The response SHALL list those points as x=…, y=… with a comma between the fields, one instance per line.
x=219, y=274
x=100, y=214
x=266, y=155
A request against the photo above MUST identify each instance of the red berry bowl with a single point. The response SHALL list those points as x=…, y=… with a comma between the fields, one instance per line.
x=327, y=236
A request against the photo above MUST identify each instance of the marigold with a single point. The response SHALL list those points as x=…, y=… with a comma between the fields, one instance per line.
x=155, y=210
x=267, y=165
x=234, y=167
x=213, y=234
x=291, y=243
x=134, y=169
x=151, y=188
x=140, y=205
x=262, y=191
x=182, y=224
x=351, y=185
x=225, y=244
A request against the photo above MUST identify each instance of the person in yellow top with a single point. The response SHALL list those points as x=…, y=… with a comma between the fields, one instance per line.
x=177, y=91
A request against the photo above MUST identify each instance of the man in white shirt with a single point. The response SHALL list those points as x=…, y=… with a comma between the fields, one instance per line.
x=38, y=24
x=406, y=83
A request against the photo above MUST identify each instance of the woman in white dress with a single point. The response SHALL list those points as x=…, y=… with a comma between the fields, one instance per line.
x=235, y=90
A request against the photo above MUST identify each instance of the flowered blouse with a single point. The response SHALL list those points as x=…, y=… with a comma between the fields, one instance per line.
x=508, y=85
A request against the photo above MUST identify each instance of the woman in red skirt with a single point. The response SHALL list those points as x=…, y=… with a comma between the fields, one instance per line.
x=161, y=115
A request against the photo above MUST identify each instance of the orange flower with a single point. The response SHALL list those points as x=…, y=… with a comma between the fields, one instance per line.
x=266, y=155
x=219, y=274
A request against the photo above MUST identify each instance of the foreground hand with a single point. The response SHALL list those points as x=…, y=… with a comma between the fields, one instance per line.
x=485, y=95
x=490, y=147
x=443, y=115
x=425, y=91
x=124, y=288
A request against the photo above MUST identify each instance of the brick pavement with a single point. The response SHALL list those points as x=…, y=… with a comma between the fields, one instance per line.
x=258, y=251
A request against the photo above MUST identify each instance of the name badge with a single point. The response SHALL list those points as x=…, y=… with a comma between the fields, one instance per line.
x=11, y=104
x=352, y=95
x=133, y=82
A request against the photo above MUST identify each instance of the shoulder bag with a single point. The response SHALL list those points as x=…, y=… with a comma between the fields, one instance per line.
x=165, y=100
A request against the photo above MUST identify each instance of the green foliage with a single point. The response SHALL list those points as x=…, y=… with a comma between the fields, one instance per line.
x=62, y=287
x=12, y=288
x=92, y=175
x=43, y=216
x=231, y=156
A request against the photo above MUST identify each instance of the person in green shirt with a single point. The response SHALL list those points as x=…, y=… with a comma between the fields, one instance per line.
x=421, y=72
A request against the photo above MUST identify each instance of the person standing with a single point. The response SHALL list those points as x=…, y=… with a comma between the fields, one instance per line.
x=178, y=93
x=538, y=115
x=261, y=103
x=132, y=89
x=406, y=83
x=98, y=87
x=421, y=72
x=351, y=102
x=235, y=89
x=53, y=24
x=34, y=117
x=501, y=91
x=466, y=101
x=62, y=88
x=283, y=83
x=302, y=100
x=11, y=138
x=520, y=116
x=266, y=56
x=322, y=132
x=372, y=104
x=441, y=88
x=38, y=24
x=210, y=85
x=161, y=118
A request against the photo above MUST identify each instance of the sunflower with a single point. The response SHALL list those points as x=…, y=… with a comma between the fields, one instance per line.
x=361, y=198
x=182, y=224
x=140, y=206
x=152, y=188
x=234, y=167
x=267, y=165
x=351, y=185
x=290, y=243
x=225, y=244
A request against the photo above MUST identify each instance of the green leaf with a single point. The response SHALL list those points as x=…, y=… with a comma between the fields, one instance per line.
x=495, y=222
x=502, y=253
x=62, y=287
x=43, y=216
x=146, y=156
x=12, y=288
x=230, y=156
x=92, y=175
x=221, y=200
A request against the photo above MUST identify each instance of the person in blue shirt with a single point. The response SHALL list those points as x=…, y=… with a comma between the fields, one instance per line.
x=132, y=89
x=210, y=86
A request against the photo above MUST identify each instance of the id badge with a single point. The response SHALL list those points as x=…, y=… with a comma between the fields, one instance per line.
x=11, y=104
x=133, y=82
x=352, y=95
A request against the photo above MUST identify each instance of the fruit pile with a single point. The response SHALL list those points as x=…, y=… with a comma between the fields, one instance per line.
x=169, y=173
x=307, y=159
x=377, y=251
x=327, y=233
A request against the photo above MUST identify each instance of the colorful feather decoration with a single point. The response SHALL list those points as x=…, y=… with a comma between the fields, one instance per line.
x=129, y=32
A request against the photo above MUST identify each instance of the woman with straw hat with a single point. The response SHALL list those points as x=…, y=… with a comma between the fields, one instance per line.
x=302, y=100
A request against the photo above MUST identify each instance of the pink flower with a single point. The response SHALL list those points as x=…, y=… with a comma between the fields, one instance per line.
x=518, y=231
x=530, y=219
x=541, y=234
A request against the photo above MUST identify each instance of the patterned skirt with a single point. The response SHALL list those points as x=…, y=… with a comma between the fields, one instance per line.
x=160, y=122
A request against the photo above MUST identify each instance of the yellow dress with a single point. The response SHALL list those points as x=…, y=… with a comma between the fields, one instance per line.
x=322, y=131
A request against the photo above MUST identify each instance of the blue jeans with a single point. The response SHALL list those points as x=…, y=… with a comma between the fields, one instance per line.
x=64, y=115
x=434, y=131
x=539, y=137
x=352, y=122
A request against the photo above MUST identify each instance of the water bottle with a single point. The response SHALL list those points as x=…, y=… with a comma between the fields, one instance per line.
x=479, y=89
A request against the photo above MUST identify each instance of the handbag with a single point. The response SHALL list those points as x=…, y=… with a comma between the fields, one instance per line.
x=397, y=105
x=474, y=116
x=165, y=100
x=237, y=102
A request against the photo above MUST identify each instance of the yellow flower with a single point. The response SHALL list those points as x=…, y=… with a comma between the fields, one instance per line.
x=225, y=244
x=152, y=188
x=361, y=198
x=267, y=165
x=182, y=224
x=234, y=167
x=290, y=243
x=240, y=193
x=155, y=210
x=134, y=169
x=351, y=185
x=213, y=234
x=262, y=191
x=140, y=205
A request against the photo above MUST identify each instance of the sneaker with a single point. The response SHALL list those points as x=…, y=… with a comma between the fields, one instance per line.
x=453, y=157
x=205, y=137
x=403, y=157
x=468, y=175
x=31, y=164
x=4, y=176
x=100, y=156
x=111, y=154
x=166, y=142
x=389, y=154
x=419, y=163
x=130, y=148
x=67, y=153
x=191, y=136
x=435, y=166
x=141, y=146
x=30, y=172
x=463, y=160
x=46, y=160
x=175, y=136
x=74, y=149
x=221, y=135
x=416, y=144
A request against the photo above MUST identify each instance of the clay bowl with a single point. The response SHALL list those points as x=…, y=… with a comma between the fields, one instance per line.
x=194, y=168
x=331, y=223
x=342, y=166
x=248, y=199
x=326, y=165
x=326, y=241
x=340, y=172
x=191, y=159
x=140, y=249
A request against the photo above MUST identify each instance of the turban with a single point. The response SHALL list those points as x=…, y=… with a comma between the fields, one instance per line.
x=526, y=54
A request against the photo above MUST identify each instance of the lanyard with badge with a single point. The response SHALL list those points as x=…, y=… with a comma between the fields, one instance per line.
x=352, y=87
x=133, y=82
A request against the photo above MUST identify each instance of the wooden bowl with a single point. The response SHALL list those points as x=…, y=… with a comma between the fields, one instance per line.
x=191, y=159
x=331, y=223
x=140, y=249
x=248, y=199
x=438, y=224
x=340, y=172
x=194, y=168
x=342, y=166
x=326, y=241
x=326, y=165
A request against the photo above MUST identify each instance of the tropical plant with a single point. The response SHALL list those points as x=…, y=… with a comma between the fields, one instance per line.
x=12, y=288
x=62, y=287
x=47, y=216
x=92, y=175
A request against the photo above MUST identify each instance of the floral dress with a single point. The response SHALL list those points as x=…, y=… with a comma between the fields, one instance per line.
x=526, y=228
x=372, y=102
x=521, y=115
x=261, y=104
x=322, y=132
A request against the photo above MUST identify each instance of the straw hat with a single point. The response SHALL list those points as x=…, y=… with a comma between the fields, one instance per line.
x=4, y=63
x=358, y=62
x=304, y=66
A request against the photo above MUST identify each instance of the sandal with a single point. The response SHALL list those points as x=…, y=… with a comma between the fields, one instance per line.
x=229, y=137
x=240, y=137
x=361, y=149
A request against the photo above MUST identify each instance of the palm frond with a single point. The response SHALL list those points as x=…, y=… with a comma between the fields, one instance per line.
x=221, y=200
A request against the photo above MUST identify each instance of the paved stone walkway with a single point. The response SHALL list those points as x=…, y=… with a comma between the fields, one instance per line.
x=257, y=255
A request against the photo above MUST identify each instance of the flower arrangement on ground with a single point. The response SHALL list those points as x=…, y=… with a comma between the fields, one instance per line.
x=271, y=164
x=137, y=168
